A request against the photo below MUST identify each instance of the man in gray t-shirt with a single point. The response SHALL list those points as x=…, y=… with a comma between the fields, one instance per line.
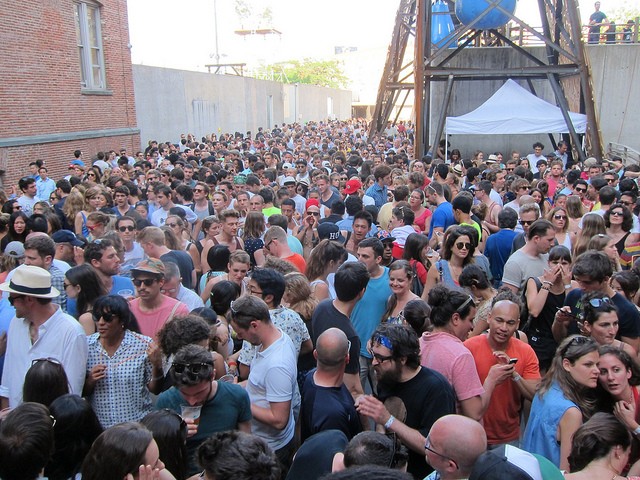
x=532, y=259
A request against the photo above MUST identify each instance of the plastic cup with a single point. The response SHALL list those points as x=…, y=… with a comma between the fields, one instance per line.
x=191, y=413
x=228, y=378
x=126, y=293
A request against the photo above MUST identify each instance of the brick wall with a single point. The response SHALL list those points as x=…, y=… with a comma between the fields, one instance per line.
x=40, y=90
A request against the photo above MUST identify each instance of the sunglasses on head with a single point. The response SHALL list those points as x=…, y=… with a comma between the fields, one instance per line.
x=190, y=368
x=465, y=245
x=129, y=228
x=147, y=281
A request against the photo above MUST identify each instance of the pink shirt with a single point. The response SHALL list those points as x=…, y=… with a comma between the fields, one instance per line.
x=151, y=322
x=447, y=355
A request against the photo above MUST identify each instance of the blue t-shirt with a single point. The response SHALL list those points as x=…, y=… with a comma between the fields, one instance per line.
x=368, y=311
x=497, y=250
x=228, y=407
x=442, y=217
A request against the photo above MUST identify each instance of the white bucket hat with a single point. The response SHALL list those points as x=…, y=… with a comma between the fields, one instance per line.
x=31, y=281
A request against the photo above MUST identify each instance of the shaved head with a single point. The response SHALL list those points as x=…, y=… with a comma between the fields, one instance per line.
x=459, y=438
x=332, y=347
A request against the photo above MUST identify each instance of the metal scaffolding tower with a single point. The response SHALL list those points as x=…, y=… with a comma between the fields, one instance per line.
x=404, y=73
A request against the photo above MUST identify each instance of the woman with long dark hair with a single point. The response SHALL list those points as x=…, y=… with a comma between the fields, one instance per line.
x=18, y=229
x=120, y=452
x=170, y=433
x=75, y=430
x=83, y=284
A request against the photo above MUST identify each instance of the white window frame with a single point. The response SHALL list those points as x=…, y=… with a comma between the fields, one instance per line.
x=81, y=16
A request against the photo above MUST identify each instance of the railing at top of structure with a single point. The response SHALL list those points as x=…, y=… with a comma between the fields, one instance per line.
x=628, y=154
x=614, y=33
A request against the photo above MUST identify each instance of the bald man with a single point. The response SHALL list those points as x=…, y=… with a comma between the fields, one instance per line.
x=453, y=445
x=326, y=401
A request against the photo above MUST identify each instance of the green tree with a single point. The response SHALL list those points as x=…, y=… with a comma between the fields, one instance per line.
x=324, y=73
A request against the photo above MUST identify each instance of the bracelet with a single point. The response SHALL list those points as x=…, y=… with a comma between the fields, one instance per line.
x=547, y=282
x=389, y=422
x=636, y=432
x=232, y=363
x=516, y=377
x=546, y=287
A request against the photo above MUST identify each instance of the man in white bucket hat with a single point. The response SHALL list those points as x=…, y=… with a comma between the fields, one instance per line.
x=40, y=330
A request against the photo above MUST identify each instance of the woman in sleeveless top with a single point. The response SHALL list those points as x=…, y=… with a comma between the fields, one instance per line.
x=558, y=217
x=325, y=259
x=619, y=222
x=544, y=295
x=400, y=280
x=422, y=214
x=457, y=253
x=252, y=236
x=92, y=202
x=565, y=396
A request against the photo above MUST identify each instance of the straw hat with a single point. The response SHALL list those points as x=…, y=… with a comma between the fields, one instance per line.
x=31, y=281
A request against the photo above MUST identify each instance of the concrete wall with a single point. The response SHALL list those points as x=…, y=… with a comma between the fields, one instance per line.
x=615, y=74
x=170, y=102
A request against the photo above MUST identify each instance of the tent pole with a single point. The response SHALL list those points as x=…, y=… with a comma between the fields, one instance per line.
x=443, y=113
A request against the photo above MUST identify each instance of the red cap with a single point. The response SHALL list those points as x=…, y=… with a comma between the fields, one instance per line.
x=312, y=202
x=352, y=186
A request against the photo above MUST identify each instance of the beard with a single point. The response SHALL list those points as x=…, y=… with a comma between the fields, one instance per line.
x=390, y=378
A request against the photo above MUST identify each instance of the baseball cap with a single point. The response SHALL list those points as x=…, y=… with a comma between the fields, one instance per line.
x=506, y=461
x=150, y=265
x=330, y=231
x=14, y=250
x=385, y=236
x=66, y=236
x=312, y=202
x=352, y=186
x=287, y=165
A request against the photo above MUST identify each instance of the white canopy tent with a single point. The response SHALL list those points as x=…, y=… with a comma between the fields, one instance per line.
x=513, y=110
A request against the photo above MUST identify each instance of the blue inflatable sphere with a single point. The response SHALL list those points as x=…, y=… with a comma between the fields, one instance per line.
x=468, y=10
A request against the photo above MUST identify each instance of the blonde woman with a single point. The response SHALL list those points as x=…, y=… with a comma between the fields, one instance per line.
x=560, y=220
x=179, y=228
x=93, y=199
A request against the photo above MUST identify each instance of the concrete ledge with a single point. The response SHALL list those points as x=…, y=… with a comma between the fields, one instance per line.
x=66, y=137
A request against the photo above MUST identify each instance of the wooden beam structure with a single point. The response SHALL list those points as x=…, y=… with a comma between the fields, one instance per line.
x=565, y=59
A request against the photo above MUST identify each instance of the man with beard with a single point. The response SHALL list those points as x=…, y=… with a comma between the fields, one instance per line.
x=418, y=395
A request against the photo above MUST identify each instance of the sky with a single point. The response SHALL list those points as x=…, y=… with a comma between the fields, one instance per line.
x=181, y=34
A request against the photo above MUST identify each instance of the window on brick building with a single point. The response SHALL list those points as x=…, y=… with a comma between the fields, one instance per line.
x=89, y=35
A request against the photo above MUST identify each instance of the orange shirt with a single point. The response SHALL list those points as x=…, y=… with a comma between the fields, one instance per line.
x=297, y=261
x=502, y=419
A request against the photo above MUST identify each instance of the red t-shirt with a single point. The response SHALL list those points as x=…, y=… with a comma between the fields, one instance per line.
x=297, y=261
x=502, y=419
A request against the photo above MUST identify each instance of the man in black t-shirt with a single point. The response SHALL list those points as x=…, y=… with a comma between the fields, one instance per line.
x=417, y=395
x=351, y=280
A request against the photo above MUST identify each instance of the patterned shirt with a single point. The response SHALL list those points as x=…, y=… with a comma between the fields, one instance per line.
x=286, y=320
x=122, y=396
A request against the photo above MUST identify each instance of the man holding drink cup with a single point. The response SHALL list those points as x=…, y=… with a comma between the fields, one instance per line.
x=206, y=405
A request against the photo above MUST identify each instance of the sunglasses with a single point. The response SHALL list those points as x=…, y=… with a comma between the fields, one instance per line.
x=599, y=302
x=617, y=214
x=129, y=228
x=580, y=190
x=315, y=214
x=560, y=217
x=147, y=281
x=465, y=245
x=107, y=317
x=13, y=299
x=525, y=187
x=526, y=222
x=190, y=368
x=577, y=340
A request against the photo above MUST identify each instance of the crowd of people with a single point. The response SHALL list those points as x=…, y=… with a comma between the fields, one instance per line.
x=310, y=301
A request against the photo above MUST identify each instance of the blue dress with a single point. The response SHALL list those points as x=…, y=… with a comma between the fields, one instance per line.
x=546, y=412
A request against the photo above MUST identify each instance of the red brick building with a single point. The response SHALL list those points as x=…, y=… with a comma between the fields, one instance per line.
x=65, y=83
